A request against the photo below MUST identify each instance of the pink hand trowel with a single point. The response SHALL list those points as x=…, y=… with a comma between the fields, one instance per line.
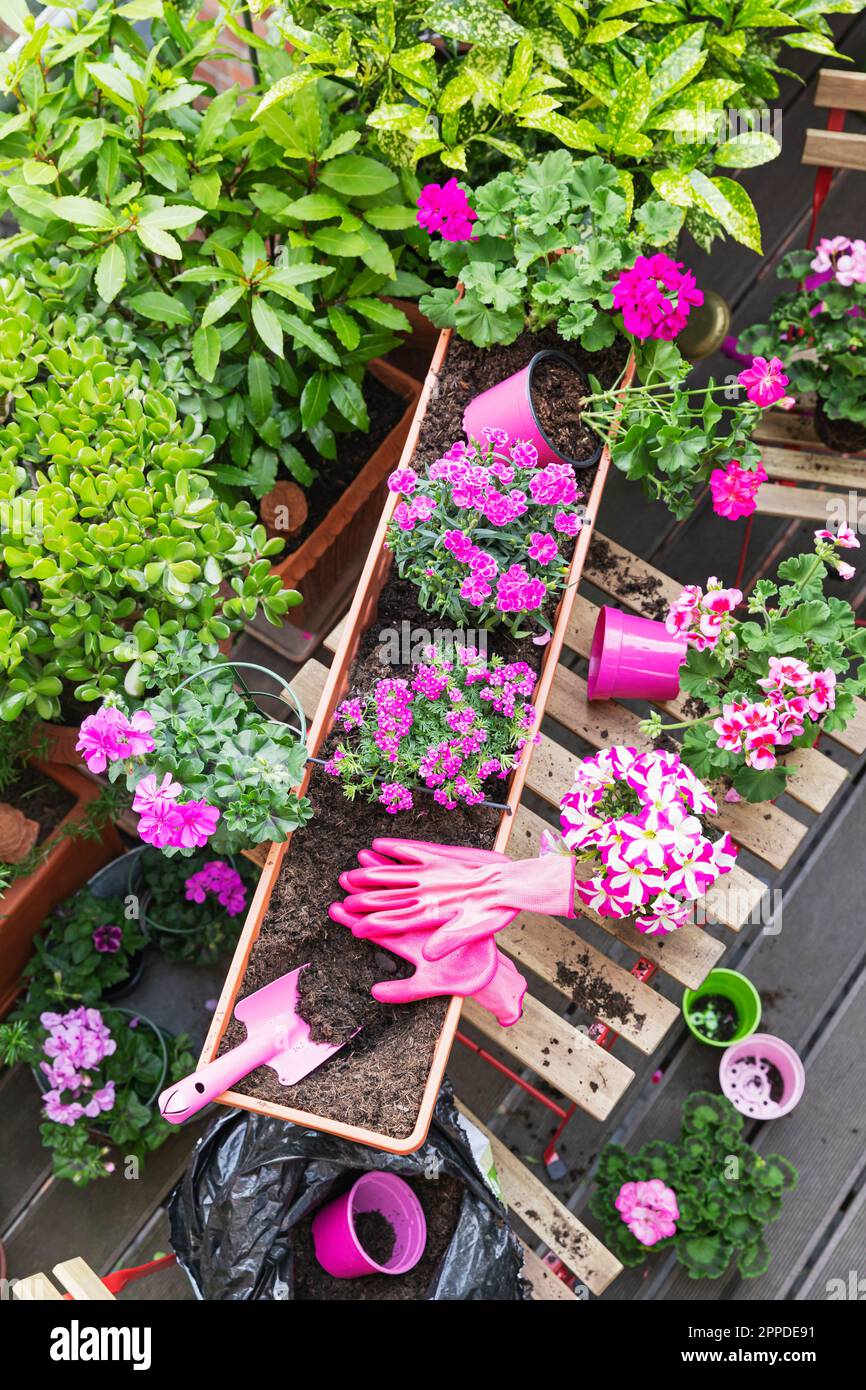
x=277, y=1037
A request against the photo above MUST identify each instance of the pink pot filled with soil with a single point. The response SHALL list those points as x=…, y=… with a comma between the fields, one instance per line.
x=541, y=404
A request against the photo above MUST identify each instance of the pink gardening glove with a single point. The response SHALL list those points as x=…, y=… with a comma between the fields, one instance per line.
x=479, y=970
x=459, y=896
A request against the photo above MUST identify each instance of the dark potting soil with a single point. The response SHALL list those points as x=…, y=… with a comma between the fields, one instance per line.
x=376, y=1235
x=777, y=1085
x=441, y=1199
x=845, y=436
x=556, y=394
x=385, y=408
x=39, y=798
x=726, y=1012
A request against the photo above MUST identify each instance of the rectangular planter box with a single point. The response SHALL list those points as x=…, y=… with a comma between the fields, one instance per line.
x=68, y=863
x=325, y=568
x=361, y=614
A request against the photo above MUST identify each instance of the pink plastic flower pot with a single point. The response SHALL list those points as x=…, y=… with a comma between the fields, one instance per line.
x=508, y=406
x=337, y=1247
x=633, y=656
x=746, y=1079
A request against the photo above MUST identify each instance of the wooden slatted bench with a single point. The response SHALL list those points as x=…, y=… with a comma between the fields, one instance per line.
x=802, y=470
x=838, y=91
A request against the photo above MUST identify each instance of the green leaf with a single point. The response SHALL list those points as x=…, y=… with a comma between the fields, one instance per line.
x=315, y=398
x=206, y=347
x=162, y=308
x=36, y=172
x=728, y=201
x=357, y=175
x=170, y=218
x=314, y=207
x=307, y=337
x=84, y=212
x=675, y=60
x=377, y=311
x=220, y=304
x=267, y=326
x=392, y=219
x=259, y=385
x=34, y=201
x=111, y=272
x=284, y=87
x=630, y=108
x=607, y=31
x=114, y=84
x=473, y=21
x=748, y=149
x=345, y=327
x=161, y=243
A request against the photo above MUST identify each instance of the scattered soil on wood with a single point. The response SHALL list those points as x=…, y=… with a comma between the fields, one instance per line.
x=385, y=408
x=39, y=798
x=441, y=1200
x=646, y=589
x=556, y=394
x=376, y=1235
x=845, y=436
x=595, y=995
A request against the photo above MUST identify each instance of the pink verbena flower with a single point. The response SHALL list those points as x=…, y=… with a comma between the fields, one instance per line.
x=735, y=490
x=656, y=296
x=444, y=208
x=395, y=797
x=107, y=939
x=649, y=1209
x=765, y=381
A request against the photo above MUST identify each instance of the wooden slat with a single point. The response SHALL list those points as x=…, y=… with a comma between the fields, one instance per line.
x=820, y=470
x=788, y=427
x=308, y=685
x=558, y=1052
x=36, y=1288
x=82, y=1282
x=800, y=503
x=845, y=90
x=841, y=149
x=600, y=987
x=546, y=1286
x=548, y=1217
x=332, y=641
x=815, y=780
x=614, y=570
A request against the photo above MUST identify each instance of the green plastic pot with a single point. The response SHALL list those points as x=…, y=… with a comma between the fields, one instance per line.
x=741, y=993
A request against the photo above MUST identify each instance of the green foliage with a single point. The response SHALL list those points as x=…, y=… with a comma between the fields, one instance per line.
x=216, y=742
x=726, y=1192
x=644, y=85
x=823, y=352
x=512, y=276
x=199, y=933
x=66, y=968
x=237, y=248
x=120, y=539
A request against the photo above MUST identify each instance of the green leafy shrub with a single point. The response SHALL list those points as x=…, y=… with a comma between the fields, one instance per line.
x=124, y=540
x=184, y=929
x=725, y=1191
x=241, y=250
x=87, y=947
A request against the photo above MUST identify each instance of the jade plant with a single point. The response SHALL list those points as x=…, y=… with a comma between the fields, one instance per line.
x=772, y=680
x=514, y=278
x=459, y=721
x=121, y=539
x=819, y=331
x=87, y=947
x=238, y=248
x=647, y=87
x=708, y=1197
x=100, y=1072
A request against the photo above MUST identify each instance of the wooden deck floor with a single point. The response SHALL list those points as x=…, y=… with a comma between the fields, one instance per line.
x=810, y=966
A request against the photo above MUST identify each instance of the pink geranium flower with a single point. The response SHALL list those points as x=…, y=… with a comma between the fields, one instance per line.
x=656, y=296
x=137, y=734
x=160, y=823
x=101, y=739
x=765, y=381
x=735, y=489
x=198, y=821
x=444, y=208
x=649, y=1209
x=148, y=791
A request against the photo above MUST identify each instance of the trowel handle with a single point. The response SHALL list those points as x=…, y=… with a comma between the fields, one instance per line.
x=186, y=1097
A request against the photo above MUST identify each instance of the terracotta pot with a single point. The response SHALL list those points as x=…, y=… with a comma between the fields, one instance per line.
x=55, y=743
x=361, y=614
x=415, y=353
x=325, y=568
x=68, y=863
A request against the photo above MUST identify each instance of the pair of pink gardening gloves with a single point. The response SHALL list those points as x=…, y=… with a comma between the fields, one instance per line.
x=440, y=906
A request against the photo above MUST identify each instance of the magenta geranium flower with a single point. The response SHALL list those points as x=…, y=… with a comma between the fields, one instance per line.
x=649, y=1209
x=101, y=738
x=734, y=490
x=765, y=381
x=444, y=208
x=198, y=821
x=656, y=296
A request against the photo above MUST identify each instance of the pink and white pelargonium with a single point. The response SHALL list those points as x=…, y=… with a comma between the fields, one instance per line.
x=649, y=1209
x=704, y=619
x=165, y=821
x=637, y=816
x=760, y=729
x=486, y=531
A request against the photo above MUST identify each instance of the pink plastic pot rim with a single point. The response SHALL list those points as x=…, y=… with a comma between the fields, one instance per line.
x=592, y=458
x=607, y=644
x=773, y=1050
x=336, y=1244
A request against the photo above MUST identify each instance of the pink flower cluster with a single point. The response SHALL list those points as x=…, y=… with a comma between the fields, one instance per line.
x=758, y=728
x=765, y=382
x=223, y=881
x=77, y=1043
x=735, y=489
x=649, y=1209
x=845, y=260
x=845, y=539
x=444, y=208
x=451, y=727
x=656, y=296
x=501, y=488
x=168, y=823
x=639, y=814
x=703, y=619
x=108, y=736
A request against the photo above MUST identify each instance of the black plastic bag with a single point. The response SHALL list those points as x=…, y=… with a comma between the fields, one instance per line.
x=252, y=1179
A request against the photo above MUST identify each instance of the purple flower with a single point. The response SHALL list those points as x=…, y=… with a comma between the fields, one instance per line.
x=107, y=939
x=223, y=881
x=395, y=797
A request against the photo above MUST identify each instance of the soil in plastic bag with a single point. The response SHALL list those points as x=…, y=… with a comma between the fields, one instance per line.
x=241, y=1215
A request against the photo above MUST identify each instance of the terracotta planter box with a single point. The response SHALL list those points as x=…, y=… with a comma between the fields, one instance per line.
x=362, y=613
x=325, y=568
x=68, y=863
